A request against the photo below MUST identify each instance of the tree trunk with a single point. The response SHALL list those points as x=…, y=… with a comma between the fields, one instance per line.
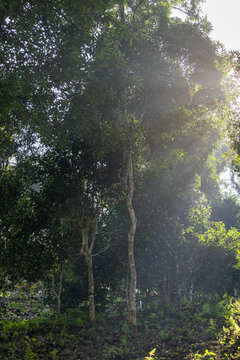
x=166, y=291
x=131, y=259
x=86, y=251
x=91, y=289
x=122, y=12
x=59, y=294
x=131, y=234
x=127, y=286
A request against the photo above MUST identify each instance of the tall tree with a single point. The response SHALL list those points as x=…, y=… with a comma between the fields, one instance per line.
x=171, y=79
x=128, y=82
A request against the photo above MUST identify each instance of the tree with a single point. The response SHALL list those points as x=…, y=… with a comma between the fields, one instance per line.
x=131, y=85
x=76, y=189
x=157, y=77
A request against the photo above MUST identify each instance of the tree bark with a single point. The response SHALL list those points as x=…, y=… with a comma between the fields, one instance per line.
x=58, y=293
x=122, y=13
x=131, y=259
x=127, y=286
x=91, y=289
x=86, y=251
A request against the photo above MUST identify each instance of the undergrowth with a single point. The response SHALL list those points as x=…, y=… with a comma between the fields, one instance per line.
x=207, y=329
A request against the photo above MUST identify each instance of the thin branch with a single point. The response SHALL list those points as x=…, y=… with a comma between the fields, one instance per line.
x=53, y=286
x=185, y=12
x=74, y=258
x=94, y=231
x=56, y=11
x=135, y=10
x=84, y=245
x=105, y=248
x=60, y=282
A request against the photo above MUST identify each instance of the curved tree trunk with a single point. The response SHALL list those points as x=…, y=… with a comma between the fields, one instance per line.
x=131, y=259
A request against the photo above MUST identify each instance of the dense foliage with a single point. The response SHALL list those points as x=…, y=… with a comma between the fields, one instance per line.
x=113, y=115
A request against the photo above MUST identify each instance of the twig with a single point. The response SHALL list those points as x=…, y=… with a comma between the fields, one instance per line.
x=104, y=248
x=58, y=12
x=176, y=8
x=135, y=10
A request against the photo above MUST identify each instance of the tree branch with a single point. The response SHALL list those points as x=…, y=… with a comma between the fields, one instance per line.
x=105, y=248
x=179, y=9
x=94, y=231
x=135, y=10
x=56, y=11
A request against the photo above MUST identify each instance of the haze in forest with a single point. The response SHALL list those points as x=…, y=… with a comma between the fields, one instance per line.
x=224, y=18
x=117, y=239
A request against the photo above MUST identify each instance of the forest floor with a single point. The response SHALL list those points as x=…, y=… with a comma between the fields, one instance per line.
x=202, y=330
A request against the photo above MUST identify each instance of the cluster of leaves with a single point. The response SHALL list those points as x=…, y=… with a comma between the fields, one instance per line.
x=227, y=345
x=22, y=304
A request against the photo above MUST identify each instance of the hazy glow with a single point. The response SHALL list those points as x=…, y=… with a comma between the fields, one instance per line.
x=225, y=19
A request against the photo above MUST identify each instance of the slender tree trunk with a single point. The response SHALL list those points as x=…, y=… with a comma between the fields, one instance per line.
x=166, y=291
x=127, y=286
x=122, y=13
x=59, y=294
x=131, y=259
x=131, y=234
x=86, y=251
x=91, y=289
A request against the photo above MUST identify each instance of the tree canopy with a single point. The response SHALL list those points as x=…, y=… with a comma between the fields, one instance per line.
x=111, y=114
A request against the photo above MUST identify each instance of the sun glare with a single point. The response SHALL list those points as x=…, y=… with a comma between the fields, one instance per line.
x=224, y=17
